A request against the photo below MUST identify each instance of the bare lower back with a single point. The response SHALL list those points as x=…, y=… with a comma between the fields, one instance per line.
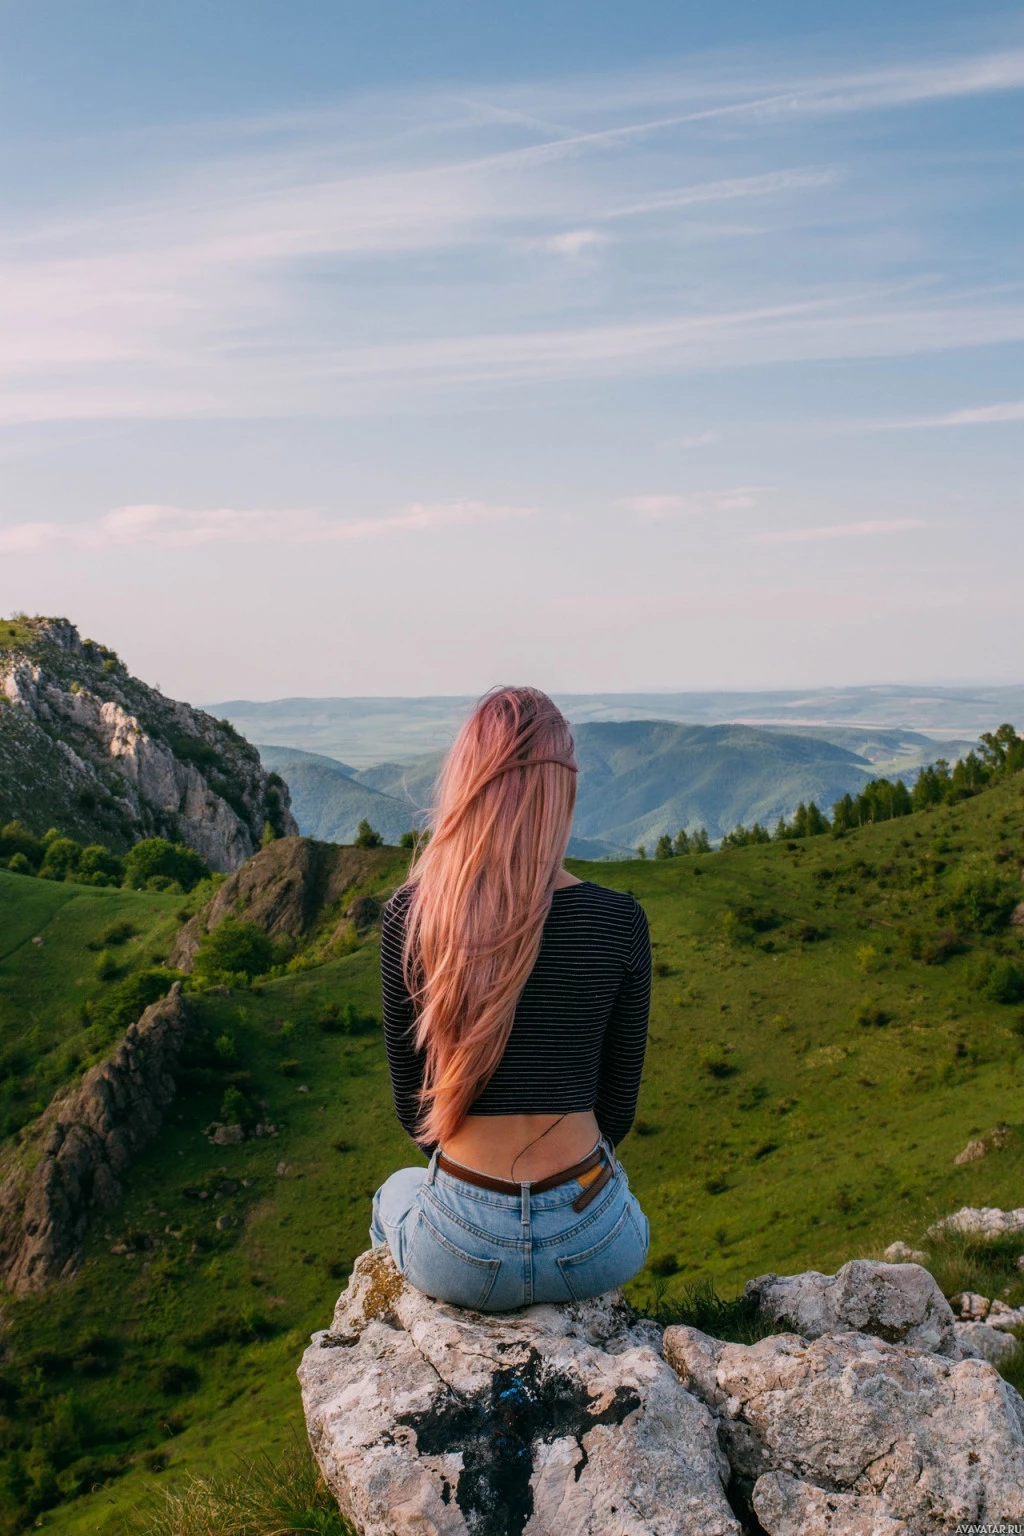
x=538, y=1145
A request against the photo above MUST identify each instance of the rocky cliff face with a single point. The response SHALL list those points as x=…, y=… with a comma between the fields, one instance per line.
x=69, y=1163
x=88, y=748
x=285, y=890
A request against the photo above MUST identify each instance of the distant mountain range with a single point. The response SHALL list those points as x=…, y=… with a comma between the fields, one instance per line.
x=376, y=730
x=638, y=779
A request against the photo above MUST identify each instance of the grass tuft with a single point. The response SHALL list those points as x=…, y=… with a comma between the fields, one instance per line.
x=263, y=1498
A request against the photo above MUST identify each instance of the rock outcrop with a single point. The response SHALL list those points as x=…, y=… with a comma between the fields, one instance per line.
x=432, y=1421
x=88, y=748
x=897, y=1302
x=69, y=1163
x=981, y=1221
x=586, y=1420
x=849, y=1434
x=284, y=890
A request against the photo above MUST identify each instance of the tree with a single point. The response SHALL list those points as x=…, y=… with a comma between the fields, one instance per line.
x=699, y=842
x=366, y=837
x=641, y=851
x=681, y=846
x=158, y=860
x=234, y=949
x=663, y=848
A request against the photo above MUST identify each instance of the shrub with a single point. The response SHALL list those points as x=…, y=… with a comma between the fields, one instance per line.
x=235, y=1108
x=106, y=965
x=979, y=901
x=175, y=1377
x=1005, y=983
x=234, y=949
x=714, y=1060
x=335, y=1019
x=60, y=860
x=288, y=1068
x=870, y=1016
x=156, y=858
x=98, y=866
x=665, y=1264
x=366, y=837
x=127, y=1000
x=16, y=838
x=18, y=864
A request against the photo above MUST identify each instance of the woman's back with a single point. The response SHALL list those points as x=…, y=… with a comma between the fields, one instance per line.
x=576, y=1047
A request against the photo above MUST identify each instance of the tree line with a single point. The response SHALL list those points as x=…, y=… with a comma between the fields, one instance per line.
x=998, y=754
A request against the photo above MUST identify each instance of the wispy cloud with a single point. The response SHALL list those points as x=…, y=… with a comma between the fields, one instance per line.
x=656, y=507
x=179, y=528
x=573, y=243
x=865, y=530
x=282, y=272
x=972, y=416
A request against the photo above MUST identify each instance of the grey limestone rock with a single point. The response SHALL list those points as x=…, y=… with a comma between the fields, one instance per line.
x=428, y=1420
x=283, y=889
x=900, y=1303
x=981, y=1341
x=106, y=758
x=912, y=1442
x=69, y=1163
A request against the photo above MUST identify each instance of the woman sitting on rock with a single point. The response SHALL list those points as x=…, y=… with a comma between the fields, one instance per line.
x=515, y=1015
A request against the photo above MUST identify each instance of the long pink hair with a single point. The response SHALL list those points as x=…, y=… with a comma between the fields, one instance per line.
x=481, y=890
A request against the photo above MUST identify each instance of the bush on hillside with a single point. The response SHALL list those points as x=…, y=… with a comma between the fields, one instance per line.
x=126, y=1001
x=366, y=837
x=156, y=859
x=15, y=839
x=18, y=864
x=235, y=951
x=979, y=901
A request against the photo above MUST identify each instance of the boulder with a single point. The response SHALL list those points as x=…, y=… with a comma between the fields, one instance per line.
x=900, y=1303
x=900, y=1253
x=983, y=1341
x=980, y=1221
x=849, y=1434
x=428, y=1420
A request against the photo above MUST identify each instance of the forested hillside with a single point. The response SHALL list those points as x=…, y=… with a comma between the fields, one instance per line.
x=834, y=1020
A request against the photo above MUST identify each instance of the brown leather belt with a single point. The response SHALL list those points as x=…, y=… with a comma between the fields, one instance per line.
x=589, y=1172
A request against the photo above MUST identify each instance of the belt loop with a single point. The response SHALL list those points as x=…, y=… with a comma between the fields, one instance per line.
x=525, y=1207
x=432, y=1169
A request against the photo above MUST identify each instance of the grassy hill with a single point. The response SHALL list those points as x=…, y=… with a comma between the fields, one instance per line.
x=371, y=730
x=638, y=779
x=833, y=1019
x=329, y=802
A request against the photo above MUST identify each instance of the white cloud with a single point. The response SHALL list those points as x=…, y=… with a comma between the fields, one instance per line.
x=699, y=440
x=574, y=242
x=842, y=531
x=973, y=416
x=178, y=528
x=654, y=508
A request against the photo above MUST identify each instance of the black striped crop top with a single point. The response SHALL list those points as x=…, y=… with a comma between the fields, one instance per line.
x=580, y=1027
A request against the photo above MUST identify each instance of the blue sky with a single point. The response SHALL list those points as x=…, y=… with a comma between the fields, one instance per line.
x=407, y=348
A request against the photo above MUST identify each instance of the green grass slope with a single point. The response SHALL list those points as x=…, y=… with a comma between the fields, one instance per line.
x=328, y=803
x=64, y=950
x=826, y=1035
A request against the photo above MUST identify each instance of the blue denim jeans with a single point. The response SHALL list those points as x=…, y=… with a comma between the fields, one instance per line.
x=491, y=1252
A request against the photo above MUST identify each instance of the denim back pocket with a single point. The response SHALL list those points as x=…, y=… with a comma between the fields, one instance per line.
x=439, y=1268
x=616, y=1258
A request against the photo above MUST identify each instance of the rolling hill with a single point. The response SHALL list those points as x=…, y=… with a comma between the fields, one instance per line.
x=365, y=731
x=833, y=1020
x=638, y=779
